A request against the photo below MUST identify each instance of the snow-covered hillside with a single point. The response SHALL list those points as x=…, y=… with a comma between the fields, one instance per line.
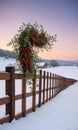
x=66, y=71
x=59, y=62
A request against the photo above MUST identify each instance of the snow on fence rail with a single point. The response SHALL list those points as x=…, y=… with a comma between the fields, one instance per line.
x=49, y=85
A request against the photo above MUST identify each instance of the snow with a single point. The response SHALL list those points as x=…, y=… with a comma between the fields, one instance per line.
x=40, y=64
x=66, y=71
x=60, y=113
x=6, y=62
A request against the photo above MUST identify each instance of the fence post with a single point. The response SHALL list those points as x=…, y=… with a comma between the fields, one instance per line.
x=34, y=89
x=52, y=85
x=44, y=88
x=40, y=84
x=47, y=87
x=10, y=91
x=24, y=97
x=50, y=88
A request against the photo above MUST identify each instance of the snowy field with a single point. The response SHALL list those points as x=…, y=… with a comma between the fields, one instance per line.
x=66, y=71
x=61, y=113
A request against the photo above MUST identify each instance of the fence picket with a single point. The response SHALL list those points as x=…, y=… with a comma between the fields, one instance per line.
x=44, y=87
x=34, y=90
x=50, y=88
x=10, y=91
x=47, y=87
x=23, y=97
x=40, y=86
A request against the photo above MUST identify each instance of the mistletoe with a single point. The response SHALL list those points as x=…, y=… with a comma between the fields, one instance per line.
x=27, y=43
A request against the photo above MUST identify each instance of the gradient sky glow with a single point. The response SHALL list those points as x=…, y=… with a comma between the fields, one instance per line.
x=57, y=17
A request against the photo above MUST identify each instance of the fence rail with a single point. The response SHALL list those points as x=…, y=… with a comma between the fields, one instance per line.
x=45, y=86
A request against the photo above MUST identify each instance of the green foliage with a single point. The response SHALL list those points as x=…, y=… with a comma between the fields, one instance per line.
x=29, y=40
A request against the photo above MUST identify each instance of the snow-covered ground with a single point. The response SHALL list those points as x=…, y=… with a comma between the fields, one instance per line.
x=61, y=113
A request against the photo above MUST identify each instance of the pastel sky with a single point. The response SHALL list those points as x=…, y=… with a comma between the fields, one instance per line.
x=57, y=17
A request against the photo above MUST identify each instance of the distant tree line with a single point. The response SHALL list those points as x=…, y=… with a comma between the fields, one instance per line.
x=7, y=54
x=54, y=63
x=49, y=63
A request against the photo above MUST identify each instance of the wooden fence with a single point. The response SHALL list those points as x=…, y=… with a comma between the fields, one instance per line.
x=45, y=86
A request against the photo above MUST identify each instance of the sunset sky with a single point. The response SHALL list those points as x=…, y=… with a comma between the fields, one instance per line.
x=57, y=17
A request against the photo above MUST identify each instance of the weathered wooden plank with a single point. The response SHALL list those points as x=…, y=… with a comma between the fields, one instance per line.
x=19, y=76
x=17, y=97
x=4, y=100
x=50, y=88
x=10, y=90
x=47, y=86
x=18, y=116
x=24, y=97
x=29, y=94
x=40, y=86
x=34, y=95
x=5, y=119
x=44, y=87
x=5, y=76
